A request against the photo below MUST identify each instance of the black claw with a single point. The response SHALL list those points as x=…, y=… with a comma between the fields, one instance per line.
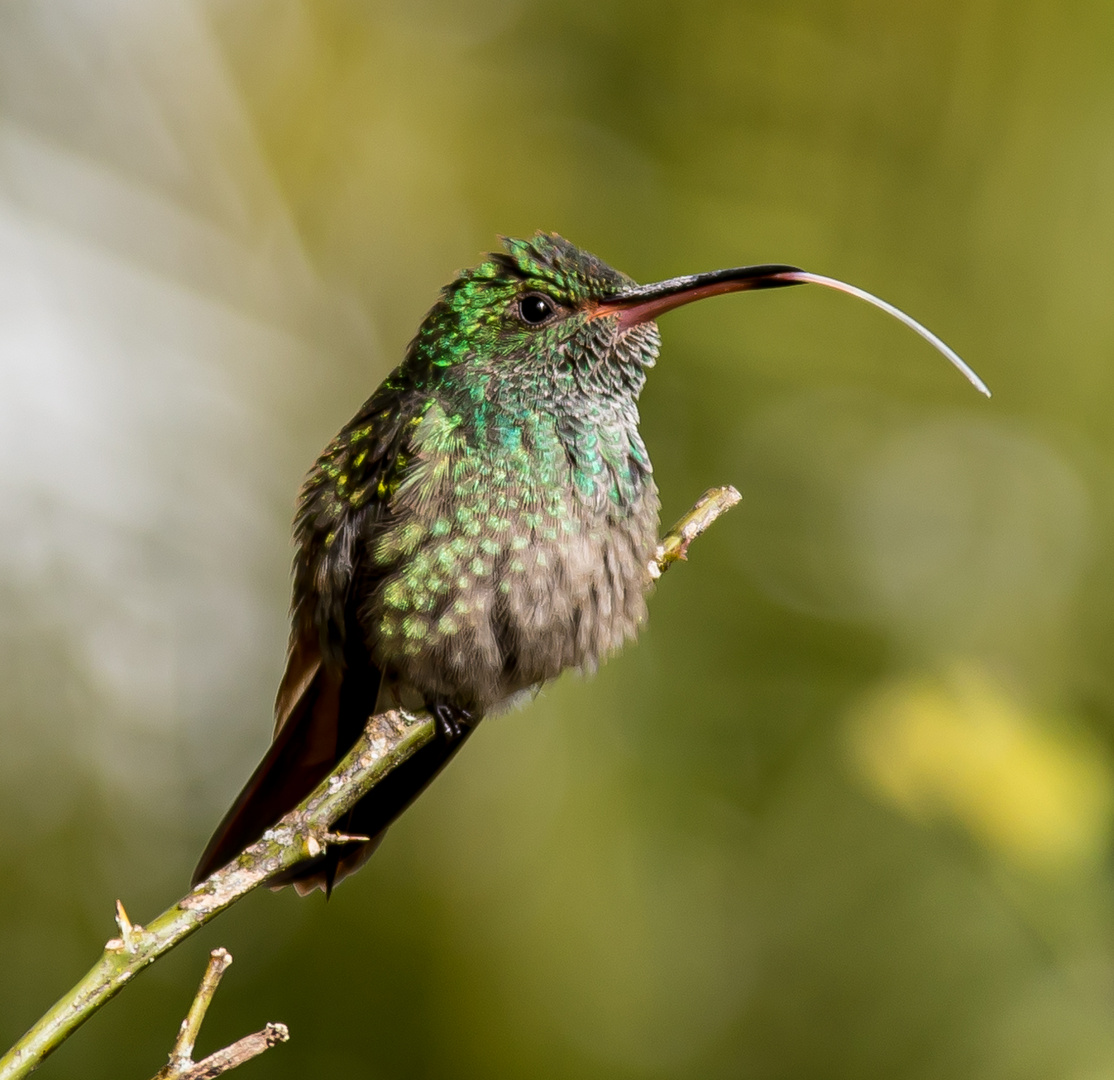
x=453, y=722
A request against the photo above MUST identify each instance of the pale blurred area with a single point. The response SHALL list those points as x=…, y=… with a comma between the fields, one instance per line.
x=846, y=810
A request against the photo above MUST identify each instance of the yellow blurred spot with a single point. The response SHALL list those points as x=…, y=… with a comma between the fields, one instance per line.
x=1037, y=792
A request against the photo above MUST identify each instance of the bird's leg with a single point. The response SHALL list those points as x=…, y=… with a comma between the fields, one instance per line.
x=453, y=722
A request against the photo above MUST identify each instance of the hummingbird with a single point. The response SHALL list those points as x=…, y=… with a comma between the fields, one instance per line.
x=484, y=522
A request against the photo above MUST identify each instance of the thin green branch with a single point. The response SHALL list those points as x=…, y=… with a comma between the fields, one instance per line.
x=181, y=1057
x=388, y=740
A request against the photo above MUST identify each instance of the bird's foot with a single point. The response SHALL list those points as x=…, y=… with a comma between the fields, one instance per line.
x=453, y=722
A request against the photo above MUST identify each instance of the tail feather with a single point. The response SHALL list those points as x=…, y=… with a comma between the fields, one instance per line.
x=303, y=753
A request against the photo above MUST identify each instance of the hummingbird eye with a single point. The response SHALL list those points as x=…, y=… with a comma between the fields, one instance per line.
x=534, y=309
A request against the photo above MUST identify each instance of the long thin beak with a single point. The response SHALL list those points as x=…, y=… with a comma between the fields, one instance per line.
x=646, y=302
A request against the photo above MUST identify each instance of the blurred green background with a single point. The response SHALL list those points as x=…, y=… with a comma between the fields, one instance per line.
x=845, y=811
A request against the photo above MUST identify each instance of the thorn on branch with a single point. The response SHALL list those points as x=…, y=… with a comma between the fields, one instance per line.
x=181, y=1065
x=319, y=839
x=346, y=838
x=128, y=941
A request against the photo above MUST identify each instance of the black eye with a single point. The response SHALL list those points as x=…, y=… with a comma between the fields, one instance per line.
x=534, y=309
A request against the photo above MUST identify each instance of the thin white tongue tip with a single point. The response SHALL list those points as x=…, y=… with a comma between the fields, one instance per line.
x=957, y=361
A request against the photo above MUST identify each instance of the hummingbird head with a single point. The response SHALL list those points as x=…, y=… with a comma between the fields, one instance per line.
x=529, y=316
